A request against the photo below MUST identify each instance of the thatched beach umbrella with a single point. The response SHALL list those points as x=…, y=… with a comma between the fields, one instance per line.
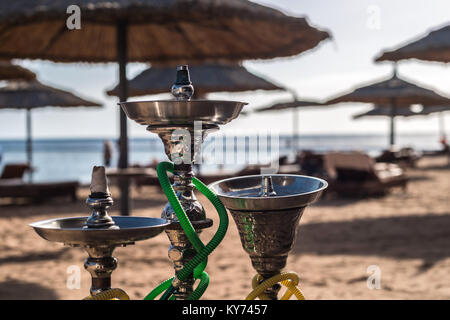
x=385, y=111
x=435, y=46
x=395, y=93
x=33, y=94
x=150, y=31
x=207, y=77
x=9, y=71
x=295, y=105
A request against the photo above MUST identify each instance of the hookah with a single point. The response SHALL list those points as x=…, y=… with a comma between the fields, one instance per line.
x=99, y=234
x=182, y=125
x=265, y=208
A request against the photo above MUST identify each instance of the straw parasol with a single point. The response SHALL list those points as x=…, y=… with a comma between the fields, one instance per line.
x=9, y=71
x=435, y=46
x=395, y=93
x=296, y=104
x=157, y=30
x=384, y=111
x=150, y=31
x=33, y=94
x=407, y=112
x=208, y=77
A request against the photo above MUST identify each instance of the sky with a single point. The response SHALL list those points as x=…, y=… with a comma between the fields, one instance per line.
x=360, y=30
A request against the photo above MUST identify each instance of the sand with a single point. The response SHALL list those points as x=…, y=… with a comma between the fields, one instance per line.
x=406, y=236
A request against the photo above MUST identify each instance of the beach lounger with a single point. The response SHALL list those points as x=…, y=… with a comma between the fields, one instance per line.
x=352, y=173
x=14, y=171
x=357, y=174
x=283, y=168
x=405, y=157
x=38, y=192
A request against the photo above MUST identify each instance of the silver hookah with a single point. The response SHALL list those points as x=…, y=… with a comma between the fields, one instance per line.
x=182, y=153
x=100, y=262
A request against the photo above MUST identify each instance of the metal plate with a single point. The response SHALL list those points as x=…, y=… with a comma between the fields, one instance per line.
x=70, y=230
x=178, y=112
x=292, y=191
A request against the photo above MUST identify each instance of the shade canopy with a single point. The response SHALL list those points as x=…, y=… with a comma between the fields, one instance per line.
x=294, y=105
x=403, y=112
x=289, y=105
x=9, y=71
x=393, y=91
x=208, y=77
x=435, y=46
x=171, y=30
x=33, y=94
x=152, y=31
x=387, y=111
x=396, y=93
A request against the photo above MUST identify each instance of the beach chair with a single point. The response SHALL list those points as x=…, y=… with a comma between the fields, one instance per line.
x=357, y=174
x=15, y=171
x=405, y=157
x=311, y=163
x=38, y=192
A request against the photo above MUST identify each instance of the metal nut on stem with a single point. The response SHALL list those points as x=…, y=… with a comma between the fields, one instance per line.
x=182, y=89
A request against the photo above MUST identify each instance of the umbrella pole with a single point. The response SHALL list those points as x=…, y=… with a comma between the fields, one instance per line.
x=124, y=184
x=29, y=144
x=295, y=125
x=441, y=125
x=392, y=133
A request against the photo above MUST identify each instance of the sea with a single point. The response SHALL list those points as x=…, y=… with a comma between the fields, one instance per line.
x=73, y=159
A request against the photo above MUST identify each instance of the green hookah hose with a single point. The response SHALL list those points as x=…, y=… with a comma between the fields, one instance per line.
x=198, y=263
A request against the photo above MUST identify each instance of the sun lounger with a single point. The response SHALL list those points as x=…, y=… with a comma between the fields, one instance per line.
x=353, y=173
x=405, y=157
x=14, y=171
x=38, y=192
x=357, y=174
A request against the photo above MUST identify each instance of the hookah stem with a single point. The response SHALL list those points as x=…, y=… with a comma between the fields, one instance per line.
x=197, y=264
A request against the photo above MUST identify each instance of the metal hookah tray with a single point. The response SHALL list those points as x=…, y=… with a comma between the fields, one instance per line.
x=181, y=112
x=74, y=232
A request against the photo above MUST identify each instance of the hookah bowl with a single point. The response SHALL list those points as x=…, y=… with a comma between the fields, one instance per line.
x=100, y=233
x=266, y=210
x=182, y=125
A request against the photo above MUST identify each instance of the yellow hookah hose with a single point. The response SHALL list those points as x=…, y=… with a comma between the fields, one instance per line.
x=288, y=279
x=110, y=294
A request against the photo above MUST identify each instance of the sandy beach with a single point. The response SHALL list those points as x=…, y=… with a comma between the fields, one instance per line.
x=405, y=234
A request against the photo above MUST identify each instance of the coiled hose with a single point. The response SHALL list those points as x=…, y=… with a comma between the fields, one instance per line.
x=198, y=263
x=110, y=294
x=288, y=279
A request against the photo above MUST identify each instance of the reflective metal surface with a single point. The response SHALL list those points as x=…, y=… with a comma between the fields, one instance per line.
x=72, y=231
x=99, y=217
x=176, y=123
x=267, y=237
x=247, y=192
x=267, y=210
x=99, y=234
x=182, y=143
x=182, y=111
x=100, y=264
x=182, y=89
